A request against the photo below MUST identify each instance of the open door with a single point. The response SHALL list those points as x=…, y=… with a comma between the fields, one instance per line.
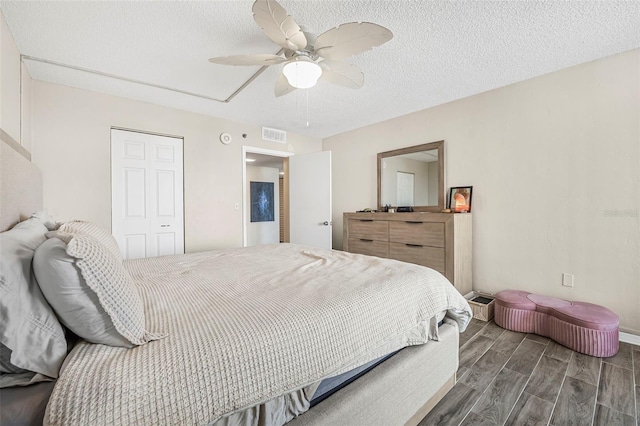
x=310, y=199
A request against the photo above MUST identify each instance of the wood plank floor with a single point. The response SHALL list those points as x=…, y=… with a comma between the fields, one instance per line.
x=510, y=378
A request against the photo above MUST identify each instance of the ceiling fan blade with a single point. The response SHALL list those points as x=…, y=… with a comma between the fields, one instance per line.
x=283, y=87
x=350, y=39
x=264, y=59
x=342, y=74
x=278, y=25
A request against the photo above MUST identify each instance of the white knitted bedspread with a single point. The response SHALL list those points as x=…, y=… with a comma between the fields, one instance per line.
x=246, y=325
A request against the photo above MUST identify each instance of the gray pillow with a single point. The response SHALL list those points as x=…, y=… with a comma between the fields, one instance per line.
x=28, y=326
x=76, y=305
x=47, y=220
x=91, y=291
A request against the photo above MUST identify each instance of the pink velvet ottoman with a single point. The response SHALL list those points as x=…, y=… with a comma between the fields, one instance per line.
x=584, y=327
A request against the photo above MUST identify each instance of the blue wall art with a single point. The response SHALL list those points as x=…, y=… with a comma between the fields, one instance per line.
x=261, y=202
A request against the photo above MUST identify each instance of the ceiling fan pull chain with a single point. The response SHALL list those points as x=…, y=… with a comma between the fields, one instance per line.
x=307, y=108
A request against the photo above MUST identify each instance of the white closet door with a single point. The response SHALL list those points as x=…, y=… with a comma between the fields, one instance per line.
x=147, y=194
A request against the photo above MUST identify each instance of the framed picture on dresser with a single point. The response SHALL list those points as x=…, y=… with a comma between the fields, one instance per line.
x=460, y=199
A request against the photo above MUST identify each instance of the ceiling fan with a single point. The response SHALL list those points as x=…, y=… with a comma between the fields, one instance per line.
x=307, y=58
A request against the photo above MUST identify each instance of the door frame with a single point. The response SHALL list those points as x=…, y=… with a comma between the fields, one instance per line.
x=128, y=129
x=255, y=150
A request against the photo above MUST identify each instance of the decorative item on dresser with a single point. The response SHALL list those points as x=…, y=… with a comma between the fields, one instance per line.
x=441, y=241
x=460, y=199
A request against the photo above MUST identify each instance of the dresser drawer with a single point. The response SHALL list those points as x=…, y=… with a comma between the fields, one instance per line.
x=419, y=233
x=421, y=255
x=377, y=230
x=369, y=247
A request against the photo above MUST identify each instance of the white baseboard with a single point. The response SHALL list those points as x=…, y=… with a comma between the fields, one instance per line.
x=633, y=339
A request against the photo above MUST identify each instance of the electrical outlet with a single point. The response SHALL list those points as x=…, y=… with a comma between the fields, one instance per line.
x=567, y=280
x=236, y=206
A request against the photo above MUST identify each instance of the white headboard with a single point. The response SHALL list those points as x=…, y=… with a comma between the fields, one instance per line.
x=20, y=185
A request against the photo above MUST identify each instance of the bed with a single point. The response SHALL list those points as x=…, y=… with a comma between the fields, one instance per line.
x=250, y=336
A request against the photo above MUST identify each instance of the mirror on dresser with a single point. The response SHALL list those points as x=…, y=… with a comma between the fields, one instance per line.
x=412, y=176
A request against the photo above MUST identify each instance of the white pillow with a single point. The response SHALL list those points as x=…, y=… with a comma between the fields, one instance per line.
x=95, y=231
x=28, y=326
x=91, y=291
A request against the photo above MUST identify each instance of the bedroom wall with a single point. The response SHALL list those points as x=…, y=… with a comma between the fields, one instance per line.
x=15, y=91
x=71, y=145
x=554, y=163
x=25, y=108
x=263, y=232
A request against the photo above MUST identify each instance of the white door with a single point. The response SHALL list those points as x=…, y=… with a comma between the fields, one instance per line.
x=405, y=189
x=310, y=199
x=147, y=217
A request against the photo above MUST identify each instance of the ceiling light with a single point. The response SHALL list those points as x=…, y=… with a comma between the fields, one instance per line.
x=250, y=160
x=302, y=73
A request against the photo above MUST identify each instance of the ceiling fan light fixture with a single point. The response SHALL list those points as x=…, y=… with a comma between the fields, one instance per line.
x=302, y=49
x=302, y=73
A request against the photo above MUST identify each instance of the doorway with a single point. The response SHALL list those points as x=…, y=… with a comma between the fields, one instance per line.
x=306, y=196
x=265, y=211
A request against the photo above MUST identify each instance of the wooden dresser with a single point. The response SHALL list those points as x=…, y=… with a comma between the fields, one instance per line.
x=441, y=241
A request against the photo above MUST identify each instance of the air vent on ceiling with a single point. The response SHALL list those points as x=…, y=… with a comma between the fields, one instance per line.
x=274, y=135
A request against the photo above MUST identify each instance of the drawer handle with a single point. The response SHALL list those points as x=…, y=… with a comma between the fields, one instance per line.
x=366, y=220
x=413, y=245
x=364, y=239
x=412, y=221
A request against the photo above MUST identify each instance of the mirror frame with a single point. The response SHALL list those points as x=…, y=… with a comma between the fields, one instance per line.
x=439, y=145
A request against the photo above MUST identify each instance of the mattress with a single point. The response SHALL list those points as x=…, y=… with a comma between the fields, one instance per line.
x=246, y=326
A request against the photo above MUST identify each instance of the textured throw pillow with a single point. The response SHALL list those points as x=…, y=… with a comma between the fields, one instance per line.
x=95, y=231
x=91, y=291
x=32, y=340
x=76, y=305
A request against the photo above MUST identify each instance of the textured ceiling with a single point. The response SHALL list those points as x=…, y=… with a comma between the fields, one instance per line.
x=441, y=51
